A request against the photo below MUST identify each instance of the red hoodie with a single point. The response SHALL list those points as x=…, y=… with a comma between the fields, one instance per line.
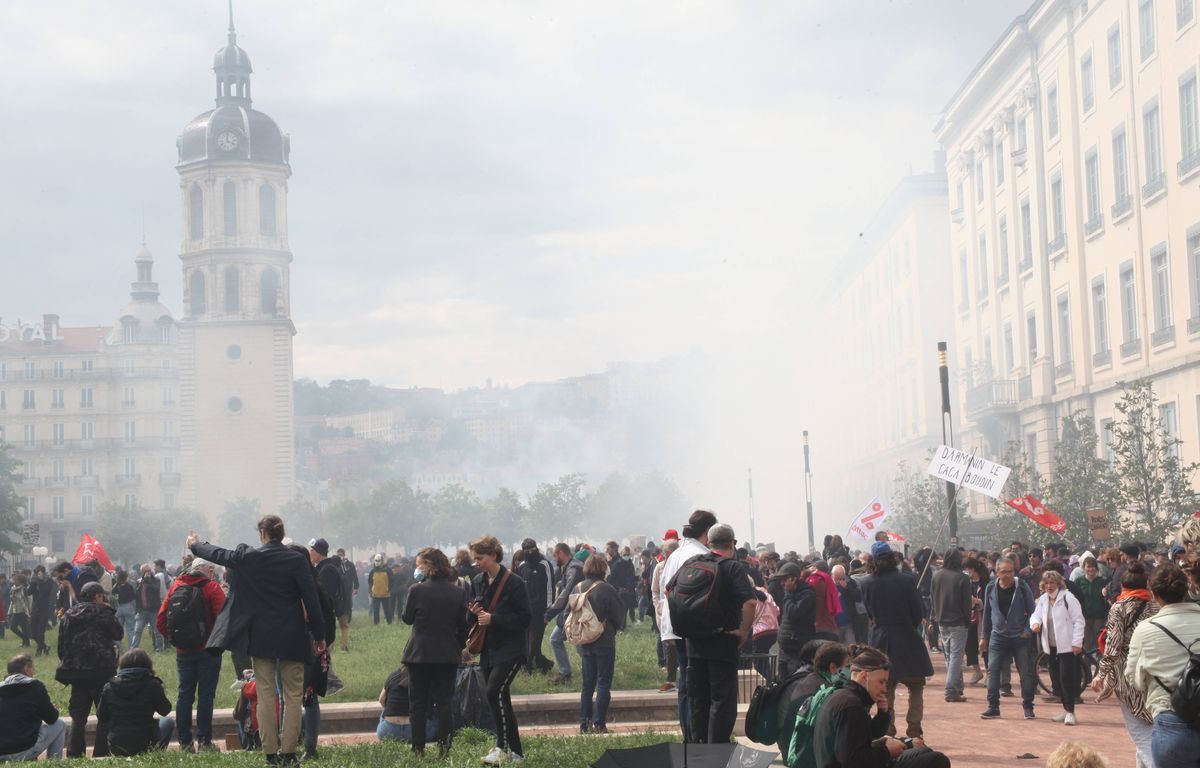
x=214, y=597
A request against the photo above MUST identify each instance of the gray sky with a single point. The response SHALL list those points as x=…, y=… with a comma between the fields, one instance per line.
x=516, y=190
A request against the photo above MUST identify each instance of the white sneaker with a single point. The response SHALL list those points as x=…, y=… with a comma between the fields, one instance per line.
x=495, y=757
x=1070, y=718
x=1061, y=717
x=513, y=757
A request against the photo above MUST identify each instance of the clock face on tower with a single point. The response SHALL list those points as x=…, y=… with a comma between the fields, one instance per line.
x=227, y=140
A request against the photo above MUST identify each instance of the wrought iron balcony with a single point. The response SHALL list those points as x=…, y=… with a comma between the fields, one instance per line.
x=1059, y=243
x=1123, y=206
x=1102, y=358
x=1163, y=336
x=1094, y=224
x=994, y=395
x=1189, y=164
x=128, y=481
x=1154, y=186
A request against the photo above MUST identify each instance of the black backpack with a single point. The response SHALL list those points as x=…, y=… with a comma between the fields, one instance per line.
x=694, y=597
x=1185, y=696
x=764, y=721
x=187, y=616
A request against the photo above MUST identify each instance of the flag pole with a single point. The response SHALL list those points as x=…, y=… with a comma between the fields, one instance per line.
x=946, y=517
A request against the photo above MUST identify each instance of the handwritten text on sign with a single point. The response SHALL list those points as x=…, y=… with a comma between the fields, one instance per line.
x=984, y=476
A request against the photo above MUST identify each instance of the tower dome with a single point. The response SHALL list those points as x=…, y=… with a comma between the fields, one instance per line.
x=144, y=320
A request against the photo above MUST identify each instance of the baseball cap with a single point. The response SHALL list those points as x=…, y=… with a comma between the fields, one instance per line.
x=671, y=534
x=881, y=549
x=789, y=569
x=528, y=545
x=320, y=546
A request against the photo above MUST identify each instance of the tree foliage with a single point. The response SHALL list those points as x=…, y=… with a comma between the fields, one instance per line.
x=10, y=504
x=919, y=507
x=238, y=521
x=1006, y=524
x=133, y=534
x=1081, y=480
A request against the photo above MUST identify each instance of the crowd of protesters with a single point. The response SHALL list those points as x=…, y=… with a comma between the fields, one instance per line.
x=860, y=624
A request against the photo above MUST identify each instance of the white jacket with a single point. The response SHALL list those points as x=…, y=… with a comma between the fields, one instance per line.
x=688, y=548
x=1068, y=621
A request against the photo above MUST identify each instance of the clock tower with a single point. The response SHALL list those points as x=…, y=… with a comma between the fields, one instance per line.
x=235, y=334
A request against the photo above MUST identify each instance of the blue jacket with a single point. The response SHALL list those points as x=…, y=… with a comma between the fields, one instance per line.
x=1016, y=622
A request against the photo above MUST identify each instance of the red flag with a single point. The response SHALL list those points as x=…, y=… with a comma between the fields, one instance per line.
x=90, y=549
x=1032, y=507
x=896, y=537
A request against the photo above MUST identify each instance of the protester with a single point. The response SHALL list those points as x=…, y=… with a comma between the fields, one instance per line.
x=622, y=577
x=1008, y=604
x=1058, y=618
x=977, y=571
x=31, y=722
x=128, y=704
x=950, y=609
x=1158, y=652
x=827, y=604
x=379, y=580
x=436, y=610
x=395, y=722
x=186, y=619
x=274, y=598
x=597, y=659
x=713, y=658
x=571, y=573
x=88, y=659
x=539, y=581
x=797, y=603
x=349, y=575
x=499, y=605
x=852, y=621
x=765, y=631
x=41, y=592
x=18, y=608
x=1072, y=754
x=847, y=736
x=668, y=654
x=148, y=600
x=124, y=594
x=1095, y=607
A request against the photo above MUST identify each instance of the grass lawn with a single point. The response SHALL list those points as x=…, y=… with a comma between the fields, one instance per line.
x=374, y=653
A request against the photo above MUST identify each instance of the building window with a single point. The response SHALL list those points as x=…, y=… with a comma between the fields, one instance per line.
x=270, y=291
x=229, y=199
x=1087, y=82
x=130, y=466
x=1185, y=11
x=1106, y=441
x=59, y=369
x=979, y=180
x=1120, y=166
x=1009, y=360
x=960, y=196
x=168, y=398
x=1057, y=214
x=1002, y=252
x=1146, y=31
x=1169, y=418
x=1052, y=110
x=1152, y=126
x=1022, y=134
x=130, y=432
x=1129, y=323
x=982, y=277
x=87, y=366
x=3, y=371
x=57, y=470
x=1193, y=246
x=164, y=333
x=130, y=397
x=85, y=507
x=1114, y=56
x=57, y=399
x=59, y=432
x=196, y=212
x=1189, y=132
x=3, y=402
x=1026, y=235
x=232, y=290
x=1064, y=329
x=196, y=297
x=1031, y=333
x=85, y=398
x=30, y=371
x=1100, y=315
x=29, y=399
x=1160, y=271
x=87, y=430
x=266, y=210
x=59, y=507
x=129, y=331
x=30, y=508
x=130, y=500
x=85, y=467
x=168, y=501
x=998, y=162
x=30, y=434
x=1091, y=165
x=1031, y=452
x=964, y=289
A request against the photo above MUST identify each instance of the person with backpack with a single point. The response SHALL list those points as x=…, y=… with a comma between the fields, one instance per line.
x=597, y=614
x=845, y=735
x=1134, y=604
x=86, y=638
x=539, y=580
x=128, y=704
x=1008, y=603
x=186, y=619
x=711, y=601
x=1164, y=664
x=570, y=574
x=379, y=581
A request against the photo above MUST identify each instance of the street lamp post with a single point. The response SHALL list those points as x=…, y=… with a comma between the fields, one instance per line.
x=750, y=490
x=947, y=436
x=812, y=545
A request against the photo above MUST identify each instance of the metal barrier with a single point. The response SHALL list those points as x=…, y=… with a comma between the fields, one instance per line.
x=755, y=669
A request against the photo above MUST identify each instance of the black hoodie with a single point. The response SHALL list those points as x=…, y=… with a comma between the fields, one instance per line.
x=85, y=644
x=128, y=704
x=539, y=580
x=24, y=706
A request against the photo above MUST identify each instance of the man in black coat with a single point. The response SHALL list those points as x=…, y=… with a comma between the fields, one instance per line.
x=31, y=722
x=797, y=603
x=539, y=583
x=621, y=576
x=349, y=576
x=274, y=592
x=85, y=648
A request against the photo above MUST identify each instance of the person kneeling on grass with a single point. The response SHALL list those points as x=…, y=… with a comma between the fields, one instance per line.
x=394, y=723
x=128, y=704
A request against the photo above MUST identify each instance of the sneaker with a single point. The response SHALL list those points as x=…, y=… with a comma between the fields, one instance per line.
x=602, y=728
x=495, y=756
x=1060, y=717
x=990, y=713
x=955, y=698
x=1006, y=693
x=585, y=728
x=1069, y=719
x=1029, y=714
x=976, y=677
x=666, y=687
x=558, y=678
x=334, y=687
x=513, y=757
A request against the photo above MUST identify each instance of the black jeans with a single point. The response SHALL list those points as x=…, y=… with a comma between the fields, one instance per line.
x=431, y=686
x=19, y=624
x=1064, y=667
x=712, y=696
x=533, y=651
x=83, y=697
x=498, y=684
x=921, y=757
x=37, y=621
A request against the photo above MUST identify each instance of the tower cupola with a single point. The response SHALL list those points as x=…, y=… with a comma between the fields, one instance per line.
x=231, y=65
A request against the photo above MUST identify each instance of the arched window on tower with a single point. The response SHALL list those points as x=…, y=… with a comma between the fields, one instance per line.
x=266, y=210
x=229, y=198
x=270, y=291
x=196, y=297
x=232, y=290
x=129, y=328
x=196, y=212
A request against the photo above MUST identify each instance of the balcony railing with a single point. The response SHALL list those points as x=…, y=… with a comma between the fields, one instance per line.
x=1131, y=348
x=1094, y=224
x=1162, y=336
x=169, y=478
x=1154, y=186
x=1057, y=244
x=1102, y=358
x=1064, y=369
x=1122, y=207
x=1189, y=163
x=992, y=395
x=87, y=481
x=1194, y=325
x=128, y=481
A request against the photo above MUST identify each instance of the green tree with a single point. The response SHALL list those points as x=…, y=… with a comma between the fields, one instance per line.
x=1153, y=484
x=507, y=515
x=557, y=509
x=919, y=507
x=454, y=514
x=10, y=504
x=395, y=512
x=1082, y=479
x=303, y=521
x=238, y=520
x=1007, y=524
x=133, y=534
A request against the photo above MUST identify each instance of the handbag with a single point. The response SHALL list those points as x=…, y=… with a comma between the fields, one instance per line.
x=478, y=632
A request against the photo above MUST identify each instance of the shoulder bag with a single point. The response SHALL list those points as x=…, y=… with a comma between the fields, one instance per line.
x=478, y=632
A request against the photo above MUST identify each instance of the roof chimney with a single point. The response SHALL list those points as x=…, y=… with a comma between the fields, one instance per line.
x=50, y=329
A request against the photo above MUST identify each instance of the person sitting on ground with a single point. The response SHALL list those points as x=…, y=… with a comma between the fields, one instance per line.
x=31, y=722
x=128, y=704
x=847, y=736
x=1072, y=754
x=395, y=723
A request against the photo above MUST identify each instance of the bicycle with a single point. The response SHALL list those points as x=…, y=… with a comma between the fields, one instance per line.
x=1089, y=662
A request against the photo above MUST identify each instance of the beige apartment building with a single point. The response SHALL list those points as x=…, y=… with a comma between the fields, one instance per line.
x=91, y=414
x=884, y=315
x=1073, y=157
